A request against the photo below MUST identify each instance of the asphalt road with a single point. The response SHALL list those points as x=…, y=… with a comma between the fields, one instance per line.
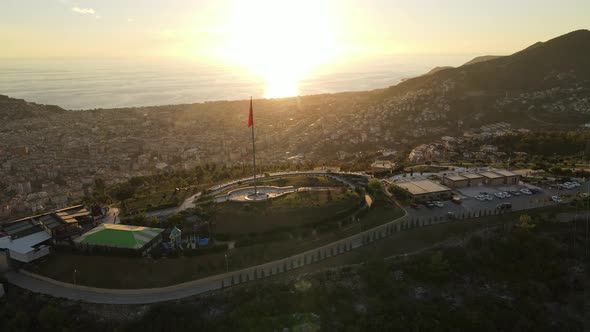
x=59, y=289
x=141, y=296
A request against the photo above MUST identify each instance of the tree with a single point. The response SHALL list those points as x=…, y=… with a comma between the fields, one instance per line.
x=20, y=322
x=153, y=221
x=524, y=223
x=399, y=193
x=374, y=186
x=99, y=185
x=51, y=318
x=124, y=192
x=439, y=268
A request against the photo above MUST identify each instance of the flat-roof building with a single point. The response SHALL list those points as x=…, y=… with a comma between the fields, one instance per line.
x=425, y=190
x=509, y=177
x=382, y=165
x=455, y=181
x=498, y=177
x=492, y=178
x=474, y=179
x=28, y=238
x=28, y=247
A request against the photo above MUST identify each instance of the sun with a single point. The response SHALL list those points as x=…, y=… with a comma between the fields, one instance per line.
x=281, y=41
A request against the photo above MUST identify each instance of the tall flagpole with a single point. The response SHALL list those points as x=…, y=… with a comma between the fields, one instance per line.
x=253, y=149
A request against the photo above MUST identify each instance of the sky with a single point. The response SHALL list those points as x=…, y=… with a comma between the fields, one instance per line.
x=236, y=29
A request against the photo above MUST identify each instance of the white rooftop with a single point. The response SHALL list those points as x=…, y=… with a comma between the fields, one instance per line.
x=24, y=244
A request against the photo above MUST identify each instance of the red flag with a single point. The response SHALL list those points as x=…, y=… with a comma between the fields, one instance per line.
x=251, y=116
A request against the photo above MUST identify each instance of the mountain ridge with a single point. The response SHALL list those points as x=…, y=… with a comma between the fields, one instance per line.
x=14, y=108
x=542, y=75
x=560, y=53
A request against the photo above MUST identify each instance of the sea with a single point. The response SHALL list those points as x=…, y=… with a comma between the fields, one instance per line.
x=80, y=84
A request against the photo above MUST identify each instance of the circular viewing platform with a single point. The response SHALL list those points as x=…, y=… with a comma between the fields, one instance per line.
x=262, y=193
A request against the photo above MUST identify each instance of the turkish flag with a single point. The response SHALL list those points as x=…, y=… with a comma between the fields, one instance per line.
x=251, y=116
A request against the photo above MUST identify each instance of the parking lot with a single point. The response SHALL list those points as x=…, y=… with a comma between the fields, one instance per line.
x=471, y=206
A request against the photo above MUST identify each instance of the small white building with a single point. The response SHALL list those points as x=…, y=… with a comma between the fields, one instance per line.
x=27, y=248
x=382, y=165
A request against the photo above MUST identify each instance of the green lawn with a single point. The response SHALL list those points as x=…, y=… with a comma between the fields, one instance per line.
x=379, y=212
x=155, y=200
x=119, y=236
x=295, y=181
x=292, y=210
x=133, y=272
x=302, y=181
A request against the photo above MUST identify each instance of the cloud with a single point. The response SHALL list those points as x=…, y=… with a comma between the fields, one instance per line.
x=83, y=11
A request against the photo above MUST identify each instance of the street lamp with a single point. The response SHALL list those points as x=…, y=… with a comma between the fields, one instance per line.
x=75, y=270
x=226, y=264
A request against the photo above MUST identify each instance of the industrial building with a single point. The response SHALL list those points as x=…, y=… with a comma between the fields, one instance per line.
x=474, y=179
x=492, y=178
x=29, y=238
x=510, y=178
x=426, y=190
x=121, y=237
x=455, y=181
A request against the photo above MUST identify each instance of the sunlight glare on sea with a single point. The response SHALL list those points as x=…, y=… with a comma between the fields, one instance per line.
x=88, y=84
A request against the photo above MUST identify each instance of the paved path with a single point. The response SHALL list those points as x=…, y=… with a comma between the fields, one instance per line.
x=108, y=296
x=217, y=189
x=56, y=288
x=139, y=296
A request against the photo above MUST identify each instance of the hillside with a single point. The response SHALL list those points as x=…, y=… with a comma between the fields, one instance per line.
x=482, y=58
x=546, y=81
x=13, y=109
x=437, y=69
x=470, y=62
x=544, y=86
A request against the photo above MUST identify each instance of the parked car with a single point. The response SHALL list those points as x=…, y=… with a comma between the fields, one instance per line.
x=506, y=195
x=438, y=204
x=499, y=195
x=480, y=197
x=488, y=197
x=456, y=200
x=566, y=185
x=556, y=199
x=504, y=206
x=429, y=204
x=526, y=191
x=514, y=192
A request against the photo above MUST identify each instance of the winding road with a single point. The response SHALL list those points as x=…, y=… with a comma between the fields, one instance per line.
x=60, y=289
x=44, y=285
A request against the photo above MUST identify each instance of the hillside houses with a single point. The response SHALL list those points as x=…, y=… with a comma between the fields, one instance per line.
x=467, y=147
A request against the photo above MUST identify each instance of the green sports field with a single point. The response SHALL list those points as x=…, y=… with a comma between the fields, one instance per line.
x=119, y=236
